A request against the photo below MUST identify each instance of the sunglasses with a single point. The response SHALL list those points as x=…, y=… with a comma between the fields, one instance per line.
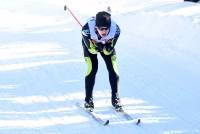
x=103, y=28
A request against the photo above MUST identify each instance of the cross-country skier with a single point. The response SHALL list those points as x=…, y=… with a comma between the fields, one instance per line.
x=99, y=35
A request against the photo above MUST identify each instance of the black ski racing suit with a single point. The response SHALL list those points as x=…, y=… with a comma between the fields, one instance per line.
x=92, y=61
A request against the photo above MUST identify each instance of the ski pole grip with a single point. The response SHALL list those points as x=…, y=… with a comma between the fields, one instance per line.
x=65, y=7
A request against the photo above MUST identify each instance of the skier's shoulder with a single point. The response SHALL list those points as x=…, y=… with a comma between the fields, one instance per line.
x=85, y=30
x=86, y=27
x=115, y=28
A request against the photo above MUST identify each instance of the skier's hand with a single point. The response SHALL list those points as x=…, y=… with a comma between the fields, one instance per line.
x=99, y=47
x=108, y=49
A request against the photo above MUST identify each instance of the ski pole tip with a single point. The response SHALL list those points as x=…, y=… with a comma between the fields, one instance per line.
x=138, y=122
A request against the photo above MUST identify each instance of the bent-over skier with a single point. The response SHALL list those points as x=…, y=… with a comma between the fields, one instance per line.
x=99, y=35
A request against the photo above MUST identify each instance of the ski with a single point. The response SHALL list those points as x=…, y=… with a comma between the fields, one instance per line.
x=94, y=115
x=125, y=115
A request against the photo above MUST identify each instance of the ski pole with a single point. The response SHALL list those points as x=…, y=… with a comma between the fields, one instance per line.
x=67, y=8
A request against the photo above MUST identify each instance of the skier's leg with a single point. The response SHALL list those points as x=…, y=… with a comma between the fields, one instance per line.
x=111, y=64
x=92, y=62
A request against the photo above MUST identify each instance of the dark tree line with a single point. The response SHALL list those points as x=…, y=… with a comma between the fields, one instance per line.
x=192, y=0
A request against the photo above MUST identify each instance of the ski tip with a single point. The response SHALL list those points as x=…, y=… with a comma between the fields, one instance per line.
x=138, y=122
x=106, y=123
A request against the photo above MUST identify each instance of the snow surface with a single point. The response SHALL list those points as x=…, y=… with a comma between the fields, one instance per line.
x=42, y=67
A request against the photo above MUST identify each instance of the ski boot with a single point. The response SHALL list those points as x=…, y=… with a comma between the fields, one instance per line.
x=116, y=103
x=89, y=105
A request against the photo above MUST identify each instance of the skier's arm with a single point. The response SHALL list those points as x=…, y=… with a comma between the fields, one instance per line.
x=87, y=41
x=110, y=44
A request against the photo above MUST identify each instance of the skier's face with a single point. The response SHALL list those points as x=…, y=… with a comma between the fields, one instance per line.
x=103, y=31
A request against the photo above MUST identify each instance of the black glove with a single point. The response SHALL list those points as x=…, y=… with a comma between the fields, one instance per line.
x=99, y=47
x=109, y=48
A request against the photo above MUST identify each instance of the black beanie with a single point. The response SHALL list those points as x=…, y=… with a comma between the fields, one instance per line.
x=103, y=19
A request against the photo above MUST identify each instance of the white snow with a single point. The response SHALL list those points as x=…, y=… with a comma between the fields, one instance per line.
x=42, y=67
